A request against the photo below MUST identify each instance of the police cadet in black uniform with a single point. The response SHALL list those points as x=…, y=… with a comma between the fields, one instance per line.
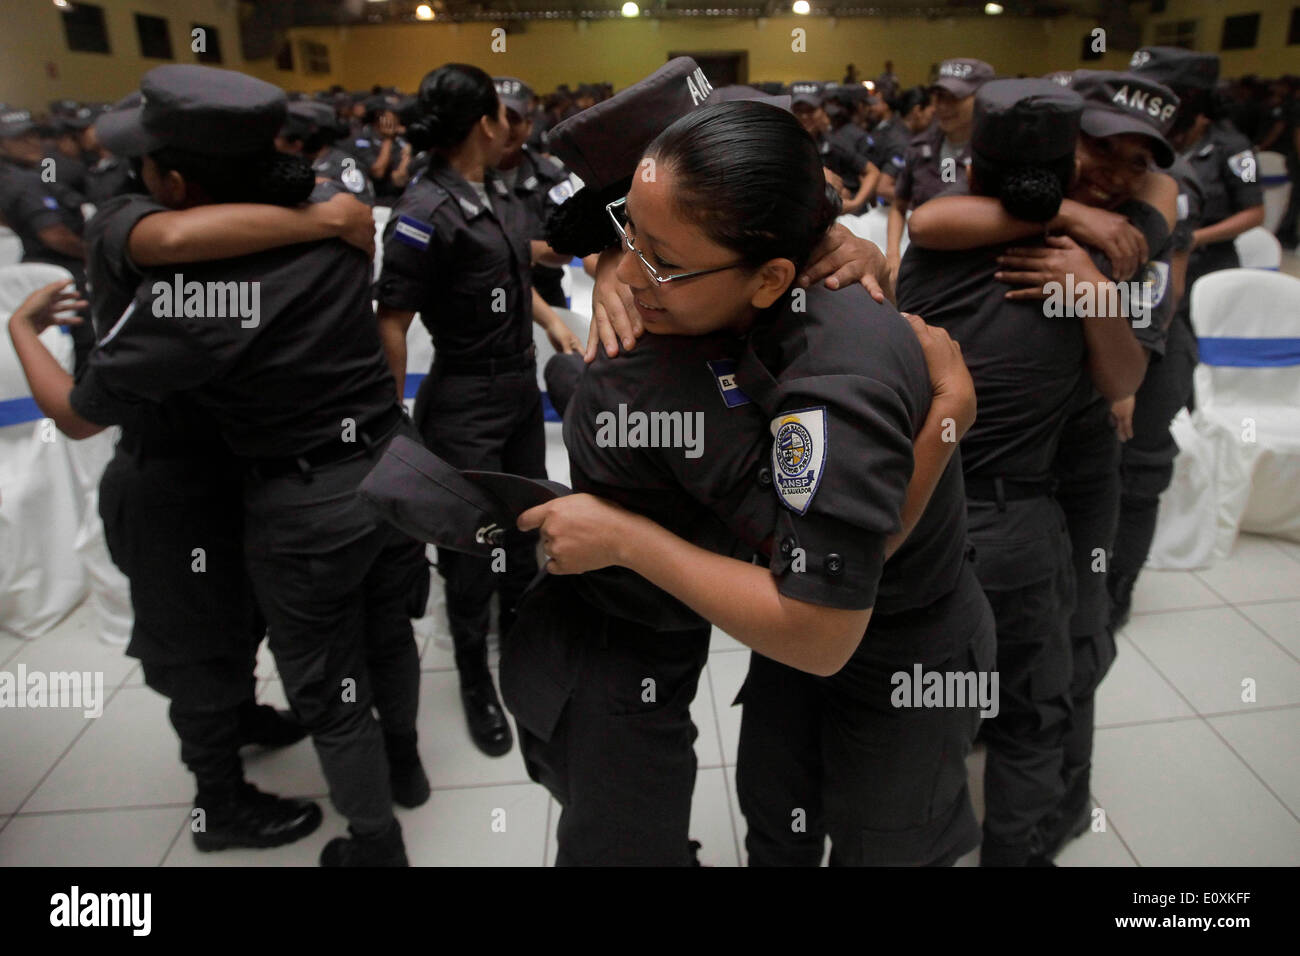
x=43, y=211
x=532, y=177
x=931, y=161
x=1027, y=372
x=1121, y=138
x=842, y=155
x=1228, y=171
x=601, y=696
x=381, y=150
x=841, y=105
x=457, y=250
x=292, y=372
x=896, y=122
x=309, y=131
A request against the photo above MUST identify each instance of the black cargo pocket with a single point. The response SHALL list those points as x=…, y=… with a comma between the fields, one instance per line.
x=542, y=657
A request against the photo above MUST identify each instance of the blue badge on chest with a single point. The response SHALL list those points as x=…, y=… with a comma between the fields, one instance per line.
x=724, y=371
x=49, y=202
x=413, y=232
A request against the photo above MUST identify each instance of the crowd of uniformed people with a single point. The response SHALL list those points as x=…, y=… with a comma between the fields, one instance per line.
x=877, y=493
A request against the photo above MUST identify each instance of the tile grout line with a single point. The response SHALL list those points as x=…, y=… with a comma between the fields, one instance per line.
x=1119, y=836
x=66, y=750
x=722, y=754
x=1233, y=750
x=1267, y=636
x=1184, y=717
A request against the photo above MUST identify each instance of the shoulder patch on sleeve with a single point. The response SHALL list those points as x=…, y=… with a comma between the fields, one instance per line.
x=1183, y=206
x=561, y=191
x=798, y=456
x=353, y=178
x=1243, y=165
x=1155, y=282
x=49, y=202
x=414, y=232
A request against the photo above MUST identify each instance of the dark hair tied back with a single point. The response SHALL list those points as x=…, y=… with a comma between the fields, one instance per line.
x=452, y=99
x=268, y=176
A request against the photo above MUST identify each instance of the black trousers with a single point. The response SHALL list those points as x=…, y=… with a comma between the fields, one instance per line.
x=1088, y=490
x=487, y=423
x=836, y=756
x=603, y=711
x=1023, y=560
x=174, y=527
x=339, y=587
x=1147, y=459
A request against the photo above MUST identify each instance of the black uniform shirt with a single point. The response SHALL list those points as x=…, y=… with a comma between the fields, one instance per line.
x=108, y=177
x=30, y=205
x=535, y=177
x=889, y=145
x=922, y=175
x=279, y=382
x=176, y=425
x=845, y=388
x=842, y=159
x=338, y=167
x=1228, y=169
x=466, y=269
x=1191, y=204
x=69, y=172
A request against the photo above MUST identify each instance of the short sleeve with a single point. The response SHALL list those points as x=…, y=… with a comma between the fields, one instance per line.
x=108, y=235
x=417, y=248
x=841, y=459
x=1240, y=175
x=30, y=209
x=143, y=357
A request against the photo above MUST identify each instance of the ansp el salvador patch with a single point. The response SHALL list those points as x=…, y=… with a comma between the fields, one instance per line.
x=413, y=232
x=799, y=456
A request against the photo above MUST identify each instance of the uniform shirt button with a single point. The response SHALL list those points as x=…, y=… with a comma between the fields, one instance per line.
x=764, y=476
x=787, y=545
x=834, y=563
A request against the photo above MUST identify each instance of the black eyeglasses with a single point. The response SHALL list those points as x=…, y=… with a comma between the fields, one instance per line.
x=618, y=215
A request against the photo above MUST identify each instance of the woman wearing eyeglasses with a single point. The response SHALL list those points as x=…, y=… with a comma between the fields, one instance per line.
x=810, y=441
x=457, y=251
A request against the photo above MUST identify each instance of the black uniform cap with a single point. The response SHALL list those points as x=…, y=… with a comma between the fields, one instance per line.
x=962, y=76
x=604, y=143
x=1025, y=121
x=1175, y=67
x=15, y=123
x=305, y=117
x=727, y=94
x=198, y=108
x=416, y=491
x=515, y=93
x=1115, y=103
x=806, y=93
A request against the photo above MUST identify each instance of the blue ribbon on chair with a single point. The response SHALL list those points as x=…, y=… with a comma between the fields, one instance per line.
x=15, y=411
x=1250, y=353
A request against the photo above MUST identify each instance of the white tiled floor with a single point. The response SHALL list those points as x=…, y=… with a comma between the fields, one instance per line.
x=1186, y=771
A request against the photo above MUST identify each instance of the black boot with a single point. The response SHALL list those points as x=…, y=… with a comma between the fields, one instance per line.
x=243, y=816
x=380, y=849
x=1120, y=587
x=486, y=719
x=267, y=727
x=1058, y=830
x=406, y=774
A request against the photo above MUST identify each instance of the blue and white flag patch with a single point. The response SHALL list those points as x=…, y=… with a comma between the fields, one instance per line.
x=49, y=202
x=798, y=456
x=724, y=372
x=413, y=232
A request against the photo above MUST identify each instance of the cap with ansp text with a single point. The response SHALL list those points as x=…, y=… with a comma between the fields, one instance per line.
x=962, y=77
x=199, y=108
x=1060, y=77
x=806, y=93
x=421, y=494
x=1175, y=67
x=604, y=143
x=1025, y=121
x=305, y=117
x=515, y=94
x=15, y=123
x=1115, y=103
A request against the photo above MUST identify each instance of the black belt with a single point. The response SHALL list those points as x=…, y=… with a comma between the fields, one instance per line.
x=333, y=451
x=487, y=366
x=1003, y=490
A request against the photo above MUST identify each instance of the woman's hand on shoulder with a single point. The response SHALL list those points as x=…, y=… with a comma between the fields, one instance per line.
x=842, y=258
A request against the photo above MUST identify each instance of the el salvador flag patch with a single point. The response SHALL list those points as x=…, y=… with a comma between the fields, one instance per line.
x=724, y=372
x=798, y=456
x=49, y=202
x=413, y=232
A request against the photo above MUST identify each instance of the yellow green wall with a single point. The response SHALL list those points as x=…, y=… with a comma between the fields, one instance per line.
x=618, y=51
x=32, y=36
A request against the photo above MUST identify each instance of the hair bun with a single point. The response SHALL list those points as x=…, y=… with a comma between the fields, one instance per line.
x=283, y=180
x=1033, y=194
